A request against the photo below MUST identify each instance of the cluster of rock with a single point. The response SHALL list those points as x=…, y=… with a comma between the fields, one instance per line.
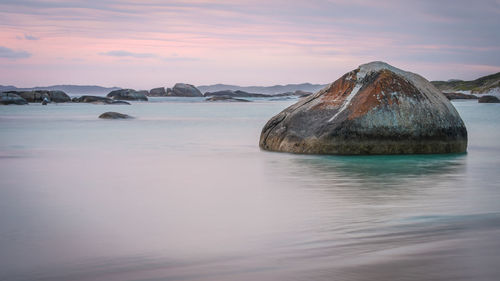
x=38, y=96
x=128, y=94
x=7, y=98
x=374, y=109
x=98, y=100
x=179, y=90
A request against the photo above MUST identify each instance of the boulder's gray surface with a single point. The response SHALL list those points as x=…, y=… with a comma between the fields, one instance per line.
x=39, y=95
x=157, y=92
x=226, y=98
x=184, y=90
x=488, y=99
x=7, y=98
x=127, y=94
x=114, y=115
x=374, y=109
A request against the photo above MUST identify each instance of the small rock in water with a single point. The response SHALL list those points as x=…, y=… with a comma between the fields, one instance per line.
x=488, y=99
x=114, y=115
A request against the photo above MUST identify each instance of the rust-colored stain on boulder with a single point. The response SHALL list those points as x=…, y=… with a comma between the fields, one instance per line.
x=338, y=91
x=385, y=90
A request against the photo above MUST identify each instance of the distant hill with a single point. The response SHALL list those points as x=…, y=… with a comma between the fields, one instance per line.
x=68, y=89
x=270, y=90
x=486, y=84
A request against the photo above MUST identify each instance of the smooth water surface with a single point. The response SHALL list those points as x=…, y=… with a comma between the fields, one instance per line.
x=183, y=192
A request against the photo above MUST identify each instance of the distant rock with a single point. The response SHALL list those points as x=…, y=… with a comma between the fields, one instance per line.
x=268, y=90
x=184, y=90
x=237, y=93
x=488, y=99
x=127, y=94
x=459, y=96
x=157, y=92
x=374, y=109
x=7, y=98
x=297, y=93
x=98, y=100
x=114, y=115
x=69, y=89
x=118, y=102
x=93, y=99
x=39, y=95
x=226, y=98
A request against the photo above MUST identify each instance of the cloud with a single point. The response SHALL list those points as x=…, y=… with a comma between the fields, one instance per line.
x=30, y=37
x=121, y=53
x=12, y=54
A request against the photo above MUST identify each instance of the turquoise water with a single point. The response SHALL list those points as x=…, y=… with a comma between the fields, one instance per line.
x=183, y=192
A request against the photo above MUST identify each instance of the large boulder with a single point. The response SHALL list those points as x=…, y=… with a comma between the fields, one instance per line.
x=10, y=98
x=488, y=99
x=374, y=109
x=157, y=92
x=127, y=94
x=41, y=95
x=184, y=90
x=114, y=115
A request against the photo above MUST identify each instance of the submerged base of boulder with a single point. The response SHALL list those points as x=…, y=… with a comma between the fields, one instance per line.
x=114, y=115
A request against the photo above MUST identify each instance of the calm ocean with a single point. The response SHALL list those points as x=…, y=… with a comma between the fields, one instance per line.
x=183, y=192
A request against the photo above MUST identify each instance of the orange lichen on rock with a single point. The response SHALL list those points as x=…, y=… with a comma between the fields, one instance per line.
x=385, y=90
x=338, y=91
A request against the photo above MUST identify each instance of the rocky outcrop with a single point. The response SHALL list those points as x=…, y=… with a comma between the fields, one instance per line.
x=7, y=98
x=488, y=99
x=374, y=109
x=237, y=93
x=127, y=94
x=184, y=90
x=98, y=100
x=114, y=115
x=157, y=92
x=297, y=93
x=459, y=96
x=226, y=98
x=482, y=85
x=40, y=95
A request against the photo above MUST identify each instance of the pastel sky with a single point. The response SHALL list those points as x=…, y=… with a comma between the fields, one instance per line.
x=151, y=43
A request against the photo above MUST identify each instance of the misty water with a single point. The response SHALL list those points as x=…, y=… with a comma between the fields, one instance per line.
x=183, y=192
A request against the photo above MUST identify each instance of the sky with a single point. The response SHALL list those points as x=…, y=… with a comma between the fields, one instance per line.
x=152, y=43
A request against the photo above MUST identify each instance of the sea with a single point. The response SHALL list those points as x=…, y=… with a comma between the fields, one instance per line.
x=183, y=192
